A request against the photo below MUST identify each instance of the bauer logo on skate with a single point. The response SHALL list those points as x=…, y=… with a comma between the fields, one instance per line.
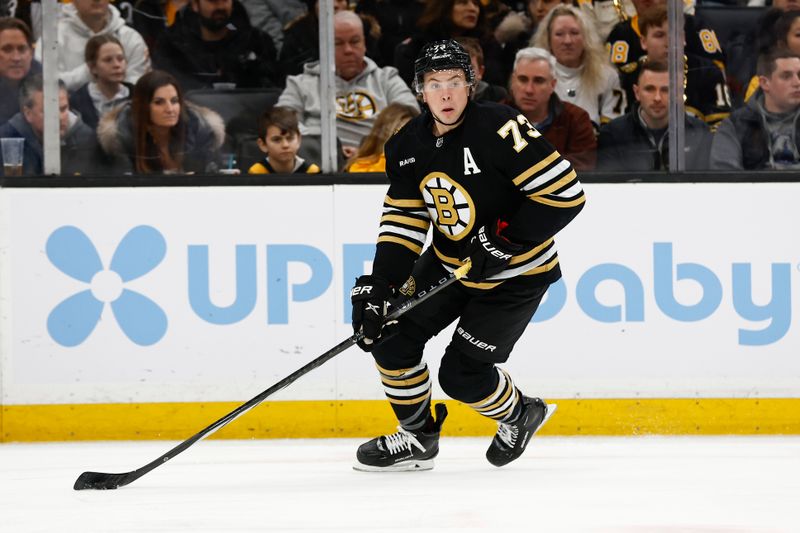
x=72, y=252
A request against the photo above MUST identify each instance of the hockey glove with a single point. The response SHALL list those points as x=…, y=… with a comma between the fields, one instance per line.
x=370, y=297
x=489, y=251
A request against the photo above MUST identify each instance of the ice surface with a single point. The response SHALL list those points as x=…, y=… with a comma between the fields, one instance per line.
x=643, y=484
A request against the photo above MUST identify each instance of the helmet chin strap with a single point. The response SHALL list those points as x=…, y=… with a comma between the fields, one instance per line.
x=461, y=116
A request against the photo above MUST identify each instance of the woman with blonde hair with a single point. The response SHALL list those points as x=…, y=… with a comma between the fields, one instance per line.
x=370, y=157
x=584, y=76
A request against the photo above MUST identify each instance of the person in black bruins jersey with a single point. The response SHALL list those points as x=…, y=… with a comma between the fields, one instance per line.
x=279, y=138
x=625, y=46
x=495, y=192
x=706, y=93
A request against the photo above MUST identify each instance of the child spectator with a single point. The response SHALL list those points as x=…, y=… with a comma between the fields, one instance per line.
x=370, y=156
x=279, y=138
x=105, y=58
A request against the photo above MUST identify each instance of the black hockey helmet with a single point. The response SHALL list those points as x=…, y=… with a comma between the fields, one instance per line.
x=442, y=55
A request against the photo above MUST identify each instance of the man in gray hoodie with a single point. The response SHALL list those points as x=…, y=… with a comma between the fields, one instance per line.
x=83, y=19
x=764, y=134
x=362, y=88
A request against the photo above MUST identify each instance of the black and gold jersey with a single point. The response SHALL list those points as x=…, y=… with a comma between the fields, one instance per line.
x=495, y=165
x=301, y=167
x=625, y=46
x=706, y=92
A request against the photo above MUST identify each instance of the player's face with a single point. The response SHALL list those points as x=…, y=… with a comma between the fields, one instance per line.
x=656, y=42
x=15, y=55
x=531, y=86
x=110, y=65
x=566, y=40
x=446, y=92
x=165, y=107
x=652, y=92
x=465, y=14
x=782, y=88
x=793, y=37
x=281, y=146
x=349, y=49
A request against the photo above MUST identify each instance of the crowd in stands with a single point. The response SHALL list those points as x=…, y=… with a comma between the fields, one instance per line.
x=227, y=86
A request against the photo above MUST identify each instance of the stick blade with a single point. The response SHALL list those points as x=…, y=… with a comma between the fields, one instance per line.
x=100, y=481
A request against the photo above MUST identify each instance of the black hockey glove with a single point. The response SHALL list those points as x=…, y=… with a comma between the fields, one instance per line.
x=489, y=251
x=370, y=297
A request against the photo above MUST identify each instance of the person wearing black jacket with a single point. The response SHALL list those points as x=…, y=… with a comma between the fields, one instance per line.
x=212, y=41
x=638, y=141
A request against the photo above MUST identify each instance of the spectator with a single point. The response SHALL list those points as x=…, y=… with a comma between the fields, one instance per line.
x=605, y=15
x=158, y=131
x=625, y=44
x=785, y=33
x=397, y=20
x=764, y=134
x=211, y=42
x=83, y=19
x=705, y=90
x=76, y=137
x=370, y=156
x=638, y=141
x=362, y=88
x=301, y=38
x=270, y=16
x=450, y=19
x=16, y=62
x=105, y=58
x=279, y=138
x=483, y=91
x=152, y=17
x=584, y=76
x=566, y=126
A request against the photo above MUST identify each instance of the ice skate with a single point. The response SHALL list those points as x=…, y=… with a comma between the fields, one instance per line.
x=402, y=451
x=511, y=439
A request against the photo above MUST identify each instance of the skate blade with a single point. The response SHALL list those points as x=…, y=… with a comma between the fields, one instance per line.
x=551, y=408
x=405, y=466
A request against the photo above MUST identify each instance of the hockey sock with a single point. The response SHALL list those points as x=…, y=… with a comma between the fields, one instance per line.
x=409, y=393
x=504, y=403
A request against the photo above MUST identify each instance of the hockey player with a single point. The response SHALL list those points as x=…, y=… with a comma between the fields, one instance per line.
x=496, y=192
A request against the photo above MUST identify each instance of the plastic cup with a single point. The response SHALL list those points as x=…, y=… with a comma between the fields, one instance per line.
x=12, y=155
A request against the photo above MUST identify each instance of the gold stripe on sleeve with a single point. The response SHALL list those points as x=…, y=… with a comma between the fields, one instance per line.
x=538, y=167
x=403, y=242
x=557, y=185
x=558, y=203
x=409, y=221
x=403, y=203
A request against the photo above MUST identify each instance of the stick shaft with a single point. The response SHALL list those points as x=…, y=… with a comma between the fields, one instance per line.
x=99, y=480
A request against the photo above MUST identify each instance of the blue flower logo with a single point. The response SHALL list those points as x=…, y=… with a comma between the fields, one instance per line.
x=73, y=320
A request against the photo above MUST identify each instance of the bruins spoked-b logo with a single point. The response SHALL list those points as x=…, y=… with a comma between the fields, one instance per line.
x=355, y=106
x=449, y=205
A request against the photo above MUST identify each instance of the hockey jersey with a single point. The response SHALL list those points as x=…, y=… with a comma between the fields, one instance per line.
x=706, y=94
x=494, y=165
x=301, y=166
x=625, y=46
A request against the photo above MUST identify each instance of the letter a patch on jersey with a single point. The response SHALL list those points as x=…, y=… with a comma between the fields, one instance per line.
x=469, y=163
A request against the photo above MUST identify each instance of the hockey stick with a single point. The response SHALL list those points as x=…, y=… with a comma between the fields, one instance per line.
x=103, y=481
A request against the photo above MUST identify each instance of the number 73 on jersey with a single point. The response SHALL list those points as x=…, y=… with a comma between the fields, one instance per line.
x=513, y=127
